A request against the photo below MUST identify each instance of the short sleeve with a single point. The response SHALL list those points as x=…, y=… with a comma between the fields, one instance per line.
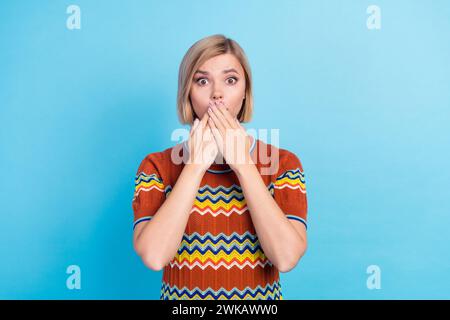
x=149, y=191
x=288, y=188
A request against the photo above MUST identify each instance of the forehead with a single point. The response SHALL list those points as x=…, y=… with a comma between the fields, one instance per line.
x=221, y=62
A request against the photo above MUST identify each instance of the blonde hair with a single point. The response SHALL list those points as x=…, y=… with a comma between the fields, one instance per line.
x=197, y=54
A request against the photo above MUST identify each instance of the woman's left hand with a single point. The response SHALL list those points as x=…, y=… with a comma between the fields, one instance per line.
x=232, y=140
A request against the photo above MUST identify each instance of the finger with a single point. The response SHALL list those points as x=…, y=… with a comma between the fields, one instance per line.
x=194, y=126
x=227, y=120
x=230, y=129
x=204, y=119
x=203, y=122
x=215, y=132
x=207, y=132
x=226, y=115
x=197, y=132
x=219, y=116
x=196, y=121
x=217, y=122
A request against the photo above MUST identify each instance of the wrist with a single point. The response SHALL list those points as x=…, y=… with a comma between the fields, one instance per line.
x=243, y=169
x=195, y=169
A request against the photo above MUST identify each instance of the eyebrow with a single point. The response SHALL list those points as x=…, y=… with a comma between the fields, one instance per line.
x=224, y=71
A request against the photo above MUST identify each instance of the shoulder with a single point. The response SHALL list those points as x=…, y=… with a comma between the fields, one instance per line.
x=290, y=160
x=282, y=159
x=158, y=160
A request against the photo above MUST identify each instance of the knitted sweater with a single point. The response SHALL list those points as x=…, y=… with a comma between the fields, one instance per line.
x=220, y=256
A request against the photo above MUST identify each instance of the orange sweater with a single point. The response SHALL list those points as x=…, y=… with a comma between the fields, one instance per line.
x=220, y=256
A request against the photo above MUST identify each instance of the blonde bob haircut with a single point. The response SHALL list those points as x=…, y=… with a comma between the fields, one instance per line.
x=197, y=54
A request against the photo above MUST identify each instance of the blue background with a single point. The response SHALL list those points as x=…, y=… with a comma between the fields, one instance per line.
x=366, y=111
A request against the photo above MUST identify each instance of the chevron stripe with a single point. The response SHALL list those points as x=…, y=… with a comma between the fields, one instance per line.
x=268, y=292
x=144, y=177
x=224, y=212
x=147, y=182
x=219, y=200
x=220, y=264
x=220, y=237
x=292, y=179
x=220, y=190
x=219, y=258
x=222, y=249
x=235, y=250
x=220, y=241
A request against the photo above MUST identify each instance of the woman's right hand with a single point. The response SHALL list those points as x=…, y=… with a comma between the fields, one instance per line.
x=202, y=146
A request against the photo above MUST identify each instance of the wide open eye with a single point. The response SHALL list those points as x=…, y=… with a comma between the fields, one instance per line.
x=234, y=80
x=201, y=81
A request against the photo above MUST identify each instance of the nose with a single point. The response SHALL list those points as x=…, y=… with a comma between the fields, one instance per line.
x=217, y=94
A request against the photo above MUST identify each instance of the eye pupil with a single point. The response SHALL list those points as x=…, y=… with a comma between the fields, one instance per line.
x=202, y=81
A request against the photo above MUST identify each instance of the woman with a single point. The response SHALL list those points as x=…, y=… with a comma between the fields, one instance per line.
x=218, y=226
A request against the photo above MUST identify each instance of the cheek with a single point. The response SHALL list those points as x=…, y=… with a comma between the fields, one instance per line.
x=199, y=94
x=199, y=101
x=235, y=98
